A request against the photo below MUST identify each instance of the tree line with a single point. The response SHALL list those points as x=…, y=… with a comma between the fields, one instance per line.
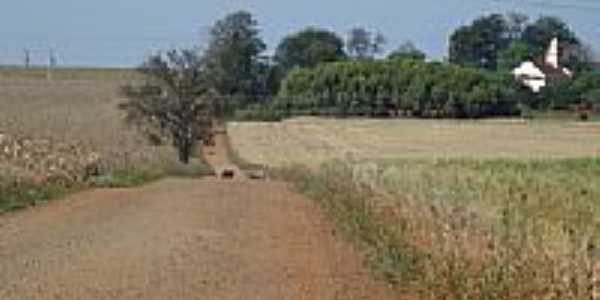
x=398, y=87
x=316, y=71
x=501, y=42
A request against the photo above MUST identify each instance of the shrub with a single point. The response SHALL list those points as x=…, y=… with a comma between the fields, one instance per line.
x=259, y=112
x=16, y=194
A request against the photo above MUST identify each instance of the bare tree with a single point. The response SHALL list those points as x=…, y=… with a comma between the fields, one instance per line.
x=364, y=44
x=173, y=104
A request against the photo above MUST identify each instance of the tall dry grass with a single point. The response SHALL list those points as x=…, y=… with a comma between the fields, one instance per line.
x=465, y=229
x=497, y=209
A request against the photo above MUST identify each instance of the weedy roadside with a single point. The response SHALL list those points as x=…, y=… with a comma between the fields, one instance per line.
x=468, y=229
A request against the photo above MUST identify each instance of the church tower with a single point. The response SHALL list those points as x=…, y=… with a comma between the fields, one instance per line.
x=552, y=54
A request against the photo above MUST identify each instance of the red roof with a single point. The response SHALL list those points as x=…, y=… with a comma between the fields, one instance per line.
x=551, y=72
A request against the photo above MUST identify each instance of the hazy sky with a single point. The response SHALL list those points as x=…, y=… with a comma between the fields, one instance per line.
x=123, y=32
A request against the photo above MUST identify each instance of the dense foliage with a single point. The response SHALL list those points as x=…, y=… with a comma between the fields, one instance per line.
x=392, y=87
x=539, y=34
x=233, y=57
x=583, y=93
x=308, y=48
x=407, y=50
x=316, y=72
x=477, y=45
x=497, y=40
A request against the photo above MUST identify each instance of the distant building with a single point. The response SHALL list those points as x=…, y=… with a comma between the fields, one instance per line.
x=536, y=75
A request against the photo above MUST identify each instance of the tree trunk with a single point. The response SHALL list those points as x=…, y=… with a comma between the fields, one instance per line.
x=184, y=152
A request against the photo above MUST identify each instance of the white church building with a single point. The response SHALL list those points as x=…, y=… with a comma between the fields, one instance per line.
x=537, y=75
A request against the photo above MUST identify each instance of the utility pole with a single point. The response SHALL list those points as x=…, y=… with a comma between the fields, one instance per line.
x=51, y=64
x=27, y=58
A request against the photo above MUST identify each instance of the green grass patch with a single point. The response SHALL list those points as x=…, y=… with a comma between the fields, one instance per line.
x=15, y=195
x=134, y=177
x=126, y=178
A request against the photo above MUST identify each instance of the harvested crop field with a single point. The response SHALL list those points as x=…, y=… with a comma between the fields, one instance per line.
x=73, y=116
x=451, y=209
x=312, y=141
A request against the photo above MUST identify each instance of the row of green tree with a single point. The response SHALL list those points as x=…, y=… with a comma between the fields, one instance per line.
x=501, y=42
x=238, y=68
x=410, y=87
x=236, y=64
x=582, y=93
x=395, y=87
x=490, y=47
x=315, y=71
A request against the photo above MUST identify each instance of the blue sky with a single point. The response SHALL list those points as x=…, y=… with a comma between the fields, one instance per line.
x=123, y=32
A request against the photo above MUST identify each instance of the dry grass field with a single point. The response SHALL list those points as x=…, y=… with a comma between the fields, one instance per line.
x=312, y=141
x=492, y=209
x=77, y=110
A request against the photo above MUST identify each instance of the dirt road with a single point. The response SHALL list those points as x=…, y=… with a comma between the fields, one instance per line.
x=180, y=239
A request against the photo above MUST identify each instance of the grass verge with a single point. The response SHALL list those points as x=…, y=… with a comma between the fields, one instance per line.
x=353, y=215
x=465, y=229
x=17, y=194
x=133, y=177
